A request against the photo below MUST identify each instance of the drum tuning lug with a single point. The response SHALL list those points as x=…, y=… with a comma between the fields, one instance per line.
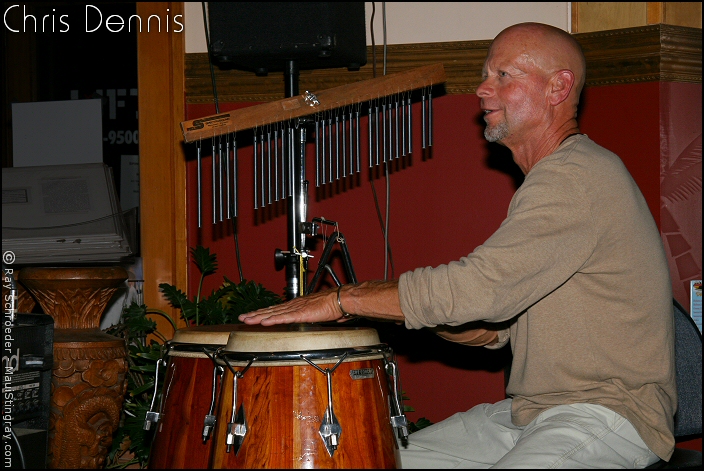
x=399, y=422
x=151, y=418
x=398, y=419
x=209, y=420
x=236, y=431
x=208, y=426
x=330, y=431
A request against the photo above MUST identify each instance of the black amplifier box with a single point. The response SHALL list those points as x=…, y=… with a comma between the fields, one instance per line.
x=27, y=359
x=263, y=36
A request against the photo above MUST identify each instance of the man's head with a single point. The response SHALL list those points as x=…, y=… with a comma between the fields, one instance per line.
x=532, y=79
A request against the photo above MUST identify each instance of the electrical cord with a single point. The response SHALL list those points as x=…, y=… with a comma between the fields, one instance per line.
x=19, y=448
x=388, y=255
x=210, y=57
x=386, y=167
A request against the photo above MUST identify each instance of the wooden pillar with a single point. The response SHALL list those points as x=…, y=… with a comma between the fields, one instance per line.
x=162, y=163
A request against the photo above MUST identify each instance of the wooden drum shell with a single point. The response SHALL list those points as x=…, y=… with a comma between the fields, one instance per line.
x=285, y=405
x=285, y=398
x=186, y=396
x=178, y=440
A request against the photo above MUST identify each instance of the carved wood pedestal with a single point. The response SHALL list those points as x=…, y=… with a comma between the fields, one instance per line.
x=25, y=301
x=88, y=378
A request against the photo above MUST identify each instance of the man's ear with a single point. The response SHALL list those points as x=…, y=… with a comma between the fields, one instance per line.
x=561, y=84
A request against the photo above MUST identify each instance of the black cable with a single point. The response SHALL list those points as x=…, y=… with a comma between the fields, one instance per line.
x=387, y=249
x=217, y=111
x=383, y=231
x=210, y=59
x=19, y=448
x=237, y=249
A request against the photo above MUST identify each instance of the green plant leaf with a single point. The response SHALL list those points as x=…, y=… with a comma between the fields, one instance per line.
x=205, y=262
x=418, y=425
x=211, y=311
x=148, y=386
x=173, y=295
x=144, y=369
x=151, y=355
x=179, y=300
x=246, y=296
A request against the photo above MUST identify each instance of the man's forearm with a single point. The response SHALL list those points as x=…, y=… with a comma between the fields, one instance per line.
x=372, y=299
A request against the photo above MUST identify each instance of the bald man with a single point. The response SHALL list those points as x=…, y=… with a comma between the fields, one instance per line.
x=575, y=279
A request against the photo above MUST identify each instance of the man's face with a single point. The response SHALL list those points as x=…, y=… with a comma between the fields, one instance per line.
x=513, y=91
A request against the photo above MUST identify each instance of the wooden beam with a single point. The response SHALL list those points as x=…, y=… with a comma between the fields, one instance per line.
x=162, y=162
x=302, y=105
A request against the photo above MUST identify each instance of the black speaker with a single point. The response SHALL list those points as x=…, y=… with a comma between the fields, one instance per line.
x=264, y=36
x=28, y=358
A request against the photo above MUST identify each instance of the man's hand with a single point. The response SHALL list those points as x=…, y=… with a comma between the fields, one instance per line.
x=316, y=307
x=372, y=299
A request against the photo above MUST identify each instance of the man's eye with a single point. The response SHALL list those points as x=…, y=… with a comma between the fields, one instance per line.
x=503, y=74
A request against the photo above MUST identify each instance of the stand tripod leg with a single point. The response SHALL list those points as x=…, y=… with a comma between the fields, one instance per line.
x=323, y=262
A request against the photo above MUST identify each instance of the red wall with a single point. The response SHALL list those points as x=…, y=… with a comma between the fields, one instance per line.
x=681, y=183
x=442, y=207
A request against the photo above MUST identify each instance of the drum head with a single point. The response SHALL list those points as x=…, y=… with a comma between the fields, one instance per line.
x=297, y=337
x=204, y=334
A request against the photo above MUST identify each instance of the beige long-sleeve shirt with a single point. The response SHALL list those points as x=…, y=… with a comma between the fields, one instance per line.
x=579, y=270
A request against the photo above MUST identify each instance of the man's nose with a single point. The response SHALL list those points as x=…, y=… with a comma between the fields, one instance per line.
x=484, y=90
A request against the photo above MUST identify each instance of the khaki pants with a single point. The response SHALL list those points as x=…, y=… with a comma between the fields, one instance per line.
x=570, y=436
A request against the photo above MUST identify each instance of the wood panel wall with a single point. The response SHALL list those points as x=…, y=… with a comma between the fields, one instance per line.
x=641, y=54
x=598, y=16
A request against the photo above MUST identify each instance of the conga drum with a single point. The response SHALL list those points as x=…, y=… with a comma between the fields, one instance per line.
x=187, y=397
x=301, y=396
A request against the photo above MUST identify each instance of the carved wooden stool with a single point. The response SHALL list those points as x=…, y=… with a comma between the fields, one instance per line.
x=88, y=378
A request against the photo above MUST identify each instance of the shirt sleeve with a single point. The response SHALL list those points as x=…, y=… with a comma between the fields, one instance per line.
x=547, y=236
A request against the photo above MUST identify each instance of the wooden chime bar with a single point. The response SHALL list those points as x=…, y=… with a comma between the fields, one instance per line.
x=303, y=105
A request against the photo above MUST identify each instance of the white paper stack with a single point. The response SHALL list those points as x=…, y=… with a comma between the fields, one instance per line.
x=59, y=214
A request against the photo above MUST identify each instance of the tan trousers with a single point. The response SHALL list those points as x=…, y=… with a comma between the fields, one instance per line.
x=570, y=436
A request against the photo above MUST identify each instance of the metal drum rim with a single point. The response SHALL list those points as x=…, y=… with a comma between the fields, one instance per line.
x=293, y=358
